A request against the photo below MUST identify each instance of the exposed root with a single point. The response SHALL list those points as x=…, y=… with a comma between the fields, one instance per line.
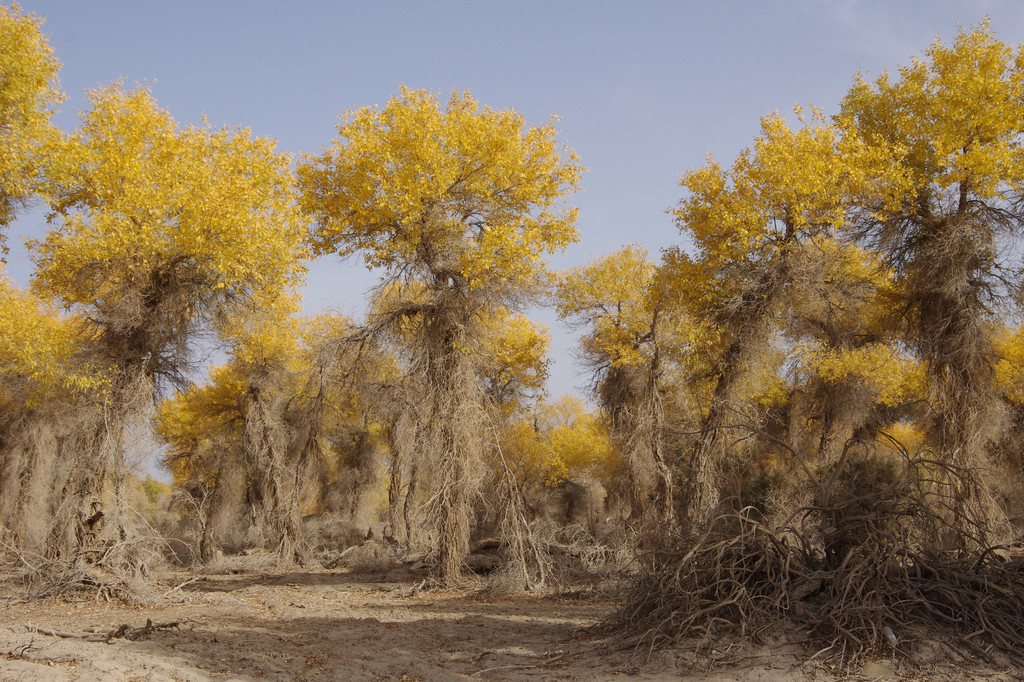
x=858, y=573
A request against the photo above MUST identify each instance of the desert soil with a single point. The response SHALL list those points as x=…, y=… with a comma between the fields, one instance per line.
x=343, y=625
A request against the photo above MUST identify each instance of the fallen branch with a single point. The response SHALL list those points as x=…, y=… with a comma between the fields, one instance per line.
x=178, y=587
x=65, y=635
x=123, y=631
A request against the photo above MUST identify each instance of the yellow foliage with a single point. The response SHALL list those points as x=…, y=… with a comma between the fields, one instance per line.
x=266, y=332
x=893, y=377
x=843, y=312
x=955, y=117
x=515, y=349
x=512, y=348
x=622, y=301
x=526, y=449
x=142, y=205
x=560, y=441
x=792, y=183
x=392, y=306
x=843, y=288
x=341, y=371
x=28, y=92
x=294, y=365
x=791, y=186
x=459, y=193
x=580, y=442
x=1009, y=346
x=765, y=237
x=37, y=347
x=911, y=436
x=201, y=420
x=614, y=299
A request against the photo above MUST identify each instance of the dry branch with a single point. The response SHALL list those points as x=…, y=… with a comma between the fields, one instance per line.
x=123, y=631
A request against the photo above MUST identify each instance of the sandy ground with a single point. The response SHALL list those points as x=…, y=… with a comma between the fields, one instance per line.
x=361, y=626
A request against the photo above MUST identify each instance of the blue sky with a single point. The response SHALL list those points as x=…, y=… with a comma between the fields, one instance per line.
x=644, y=90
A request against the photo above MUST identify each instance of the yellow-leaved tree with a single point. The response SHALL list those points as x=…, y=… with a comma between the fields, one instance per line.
x=514, y=366
x=746, y=224
x=284, y=428
x=464, y=201
x=509, y=359
x=621, y=304
x=50, y=397
x=201, y=427
x=953, y=119
x=37, y=348
x=270, y=372
x=157, y=230
x=556, y=442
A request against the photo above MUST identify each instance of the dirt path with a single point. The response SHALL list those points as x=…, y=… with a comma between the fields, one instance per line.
x=301, y=626
x=347, y=626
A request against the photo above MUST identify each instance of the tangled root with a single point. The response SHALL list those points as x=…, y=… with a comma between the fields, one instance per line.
x=858, y=574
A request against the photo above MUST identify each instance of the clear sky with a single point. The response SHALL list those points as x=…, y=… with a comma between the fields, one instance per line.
x=644, y=90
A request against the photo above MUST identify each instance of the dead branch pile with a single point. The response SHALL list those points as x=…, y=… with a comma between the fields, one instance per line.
x=857, y=573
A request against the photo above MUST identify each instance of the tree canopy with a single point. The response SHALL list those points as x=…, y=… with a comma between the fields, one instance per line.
x=457, y=195
x=28, y=94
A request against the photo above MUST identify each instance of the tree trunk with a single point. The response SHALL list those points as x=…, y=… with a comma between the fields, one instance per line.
x=452, y=438
x=274, y=507
x=407, y=505
x=393, y=529
x=951, y=322
x=749, y=325
x=453, y=527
